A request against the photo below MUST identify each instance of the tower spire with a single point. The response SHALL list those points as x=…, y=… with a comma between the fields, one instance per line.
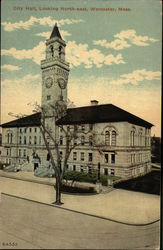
x=55, y=32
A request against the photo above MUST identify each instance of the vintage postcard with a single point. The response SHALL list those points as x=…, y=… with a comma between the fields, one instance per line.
x=80, y=126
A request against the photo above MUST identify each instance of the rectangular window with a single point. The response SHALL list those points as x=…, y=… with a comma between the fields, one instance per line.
x=25, y=130
x=30, y=140
x=20, y=130
x=48, y=97
x=105, y=171
x=61, y=140
x=61, y=154
x=7, y=151
x=82, y=140
x=35, y=130
x=82, y=156
x=35, y=140
x=24, y=153
x=90, y=140
x=74, y=156
x=19, y=152
x=82, y=127
x=106, y=158
x=90, y=157
x=112, y=158
x=75, y=141
x=74, y=167
x=24, y=139
x=81, y=169
x=90, y=126
x=30, y=130
x=112, y=172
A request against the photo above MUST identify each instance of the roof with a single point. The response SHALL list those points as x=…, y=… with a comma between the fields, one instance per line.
x=84, y=115
x=30, y=120
x=100, y=114
x=55, y=32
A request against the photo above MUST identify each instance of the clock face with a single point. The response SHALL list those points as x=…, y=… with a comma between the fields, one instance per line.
x=61, y=83
x=49, y=82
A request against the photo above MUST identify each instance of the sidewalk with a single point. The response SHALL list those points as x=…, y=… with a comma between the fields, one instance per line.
x=118, y=205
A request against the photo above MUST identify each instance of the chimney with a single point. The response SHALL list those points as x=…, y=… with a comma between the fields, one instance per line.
x=94, y=102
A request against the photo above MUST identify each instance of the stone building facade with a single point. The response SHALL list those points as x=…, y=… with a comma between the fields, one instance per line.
x=109, y=137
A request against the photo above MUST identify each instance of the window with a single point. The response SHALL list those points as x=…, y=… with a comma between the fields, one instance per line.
x=7, y=151
x=35, y=130
x=48, y=97
x=74, y=156
x=106, y=158
x=90, y=126
x=67, y=166
x=48, y=157
x=82, y=127
x=35, y=140
x=112, y=171
x=25, y=140
x=8, y=138
x=90, y=140
x=82, y=140
x=112, y=158
x=24, y=153
x=74, y=167
x=30, y=139
x=60, y=51
x=19, y=152
x=107, y=138
x=20, y=130
x=20, y=140
x=61, y=154
x=30, y=130
x=11, y=138
x=82, y=156
x=90, y=157
x=25, y=130
x=81, y=169
x=113, y=139
x=75, y=141
x=132, y=137
x=105, y=171
x=61, y=140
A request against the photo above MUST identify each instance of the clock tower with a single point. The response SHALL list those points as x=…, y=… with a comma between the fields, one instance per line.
x=55, y=71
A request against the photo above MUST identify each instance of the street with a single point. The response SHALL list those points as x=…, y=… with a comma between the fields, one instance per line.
x=32, y=225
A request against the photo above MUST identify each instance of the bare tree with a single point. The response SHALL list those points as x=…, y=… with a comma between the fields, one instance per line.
x=71, y=135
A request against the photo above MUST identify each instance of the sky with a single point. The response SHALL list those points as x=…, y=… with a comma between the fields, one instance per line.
x=113, y=47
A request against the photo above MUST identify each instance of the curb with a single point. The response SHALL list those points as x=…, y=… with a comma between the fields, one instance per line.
x=87, y=214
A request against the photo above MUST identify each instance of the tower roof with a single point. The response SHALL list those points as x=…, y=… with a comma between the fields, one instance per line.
x=55, y=32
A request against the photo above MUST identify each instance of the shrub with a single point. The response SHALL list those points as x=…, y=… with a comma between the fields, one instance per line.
x=104, y=180
x=80, y=176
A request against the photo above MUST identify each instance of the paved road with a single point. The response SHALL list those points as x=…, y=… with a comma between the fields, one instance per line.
x=31, y=225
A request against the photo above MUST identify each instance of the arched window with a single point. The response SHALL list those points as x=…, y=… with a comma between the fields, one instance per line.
x=60, y=51
x=61, y=140
x=90, y=140
x=107, y=137
x=52, y=50
x=132, y=137
x=82, y=140
x=113, y=138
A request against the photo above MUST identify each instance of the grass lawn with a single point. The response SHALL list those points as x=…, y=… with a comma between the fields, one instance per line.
x=150, y=183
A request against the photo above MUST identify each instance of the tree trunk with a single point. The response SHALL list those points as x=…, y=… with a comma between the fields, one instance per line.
x=58, y=193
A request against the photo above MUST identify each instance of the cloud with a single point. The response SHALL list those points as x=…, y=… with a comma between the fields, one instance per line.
x=143, y=104
x=125, y=39
x=47, y=34
x=11, y=67
x=44, y=21
x=137, y=76
x=36, y=54
x=17, y=93
x=78, y=54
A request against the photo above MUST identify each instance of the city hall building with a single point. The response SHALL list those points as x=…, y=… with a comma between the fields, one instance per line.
x=110, y=137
